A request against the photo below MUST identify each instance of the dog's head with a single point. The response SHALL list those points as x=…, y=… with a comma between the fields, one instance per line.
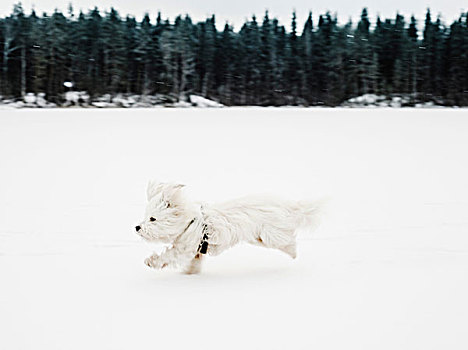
x=166, y=213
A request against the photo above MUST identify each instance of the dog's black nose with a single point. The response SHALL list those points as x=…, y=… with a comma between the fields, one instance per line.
x=138, y=228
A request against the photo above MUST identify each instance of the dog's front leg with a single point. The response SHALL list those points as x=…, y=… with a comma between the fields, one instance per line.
x=154, y=261
x=194, y=266
x=171, y=257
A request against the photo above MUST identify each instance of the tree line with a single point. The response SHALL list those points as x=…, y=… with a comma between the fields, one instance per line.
x=321, y=63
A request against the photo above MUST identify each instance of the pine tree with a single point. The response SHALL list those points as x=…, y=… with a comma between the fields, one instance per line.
x=294, y=68
x=457, y=56
x=94, y=52
x=157, y=66
x=13, y=44
x=225, y=72
x=325, y=62
x=363, y=55
x=400, y=68
x=336, y=66
x=132, y=55
x=350, y=64
x=179, y=57
x=280, y=66
x=207, y=41
x=266, y=62
x=309, y=81
x=412, y=51
x=432, y=48
x=250, y=41
x=56, y=58
x=144, y=54
x=113, y=47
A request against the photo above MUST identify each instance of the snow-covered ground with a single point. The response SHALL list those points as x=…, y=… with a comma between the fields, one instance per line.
x=387, y=269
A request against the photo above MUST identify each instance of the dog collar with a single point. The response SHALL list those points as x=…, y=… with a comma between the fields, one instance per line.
x=203, y=246
x=189, y=224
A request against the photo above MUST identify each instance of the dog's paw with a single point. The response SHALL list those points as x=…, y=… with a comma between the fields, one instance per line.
x=155, y=262
x=149, y=262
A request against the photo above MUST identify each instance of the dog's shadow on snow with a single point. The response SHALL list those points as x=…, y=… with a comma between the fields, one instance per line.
x=236, y=268
x=231, y=275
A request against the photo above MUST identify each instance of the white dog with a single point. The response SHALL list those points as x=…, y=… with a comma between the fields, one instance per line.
x=195, y=229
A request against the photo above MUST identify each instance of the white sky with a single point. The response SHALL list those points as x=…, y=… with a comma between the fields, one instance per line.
x=236, y=11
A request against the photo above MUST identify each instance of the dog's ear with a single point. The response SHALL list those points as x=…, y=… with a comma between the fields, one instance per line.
x=171, y=193
x=153, y=188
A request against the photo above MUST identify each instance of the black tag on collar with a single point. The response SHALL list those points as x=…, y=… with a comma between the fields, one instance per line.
x=204, y=247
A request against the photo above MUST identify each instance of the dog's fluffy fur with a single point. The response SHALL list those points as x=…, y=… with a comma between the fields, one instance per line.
x=263, y=221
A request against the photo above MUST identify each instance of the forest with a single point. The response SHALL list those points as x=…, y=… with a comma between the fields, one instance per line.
x=263, y=63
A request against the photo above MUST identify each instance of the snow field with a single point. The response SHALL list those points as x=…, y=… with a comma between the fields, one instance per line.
x=387, y=269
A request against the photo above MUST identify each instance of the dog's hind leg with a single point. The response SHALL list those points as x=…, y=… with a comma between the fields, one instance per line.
x=290, y=250
x=195, y=265
x=287, y=243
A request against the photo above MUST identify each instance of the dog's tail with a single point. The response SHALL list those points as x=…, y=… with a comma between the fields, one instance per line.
x=311, y=213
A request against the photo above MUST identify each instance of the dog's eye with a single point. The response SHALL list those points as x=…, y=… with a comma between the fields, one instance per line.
x=152, y=219
x=168, y=205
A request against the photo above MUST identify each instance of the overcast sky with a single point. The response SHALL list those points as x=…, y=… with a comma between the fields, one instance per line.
x=236, y=11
